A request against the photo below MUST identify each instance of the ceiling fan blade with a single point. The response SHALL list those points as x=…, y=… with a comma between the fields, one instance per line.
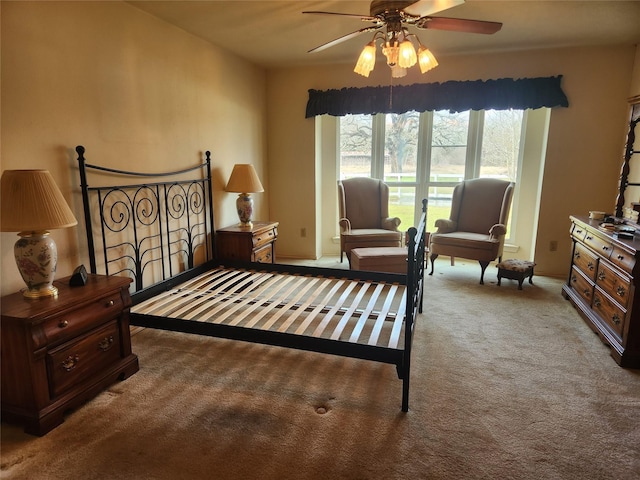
x=422, y=8
x=364, y=18
x=344, y=38
x=458, y=25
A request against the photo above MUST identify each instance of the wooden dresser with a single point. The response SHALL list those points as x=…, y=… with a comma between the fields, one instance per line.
x=602, y=286
x=59, y=352
x=256, y=244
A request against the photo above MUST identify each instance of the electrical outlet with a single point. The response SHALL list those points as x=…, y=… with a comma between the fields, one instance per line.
x=553, y=245
x=303, y=232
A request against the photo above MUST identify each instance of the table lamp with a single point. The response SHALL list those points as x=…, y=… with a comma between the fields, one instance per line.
x=244, y=181
x=32, y=204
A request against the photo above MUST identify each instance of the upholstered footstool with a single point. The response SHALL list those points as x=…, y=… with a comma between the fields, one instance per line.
x=380, y=259
x=516, y=270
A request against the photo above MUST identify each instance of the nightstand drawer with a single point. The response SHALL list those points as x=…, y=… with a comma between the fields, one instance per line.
x=263, y=255
x=263, y=238
x=76, y=361
x=63, y=327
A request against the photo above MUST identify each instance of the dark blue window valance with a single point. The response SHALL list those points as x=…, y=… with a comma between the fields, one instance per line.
x=455, y=96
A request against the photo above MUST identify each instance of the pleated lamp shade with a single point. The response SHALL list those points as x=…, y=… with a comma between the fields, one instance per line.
x=244, y=179
x=31, y=201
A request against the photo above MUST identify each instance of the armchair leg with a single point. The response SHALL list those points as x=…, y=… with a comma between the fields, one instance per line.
x=483, y=266
x=341, y=252
x=433, y=257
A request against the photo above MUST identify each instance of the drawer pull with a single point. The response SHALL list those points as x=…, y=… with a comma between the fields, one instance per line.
x=597, y=302
x=70, y=362
x=63, y=323
x=620, y=257
x=587, y=292
x=601, y=275
x=605, y=248
x=574, y=279
x=590, y=265
x=106, y=343
x=576, y=255
x=110, y=303
x=589, y=237
x=616, y=319
x=621, y=291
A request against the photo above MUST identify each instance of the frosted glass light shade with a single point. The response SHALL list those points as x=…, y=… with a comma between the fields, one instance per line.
x=407, y=55
x=426, y=60
x=366, y=60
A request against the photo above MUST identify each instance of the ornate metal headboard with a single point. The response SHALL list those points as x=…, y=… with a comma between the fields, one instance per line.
x=152, y=230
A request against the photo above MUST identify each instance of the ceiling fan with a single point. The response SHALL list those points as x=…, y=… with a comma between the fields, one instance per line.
x=389, y=20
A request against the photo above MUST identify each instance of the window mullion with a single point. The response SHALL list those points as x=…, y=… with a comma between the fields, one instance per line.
x=474, y=144
x=377, y=149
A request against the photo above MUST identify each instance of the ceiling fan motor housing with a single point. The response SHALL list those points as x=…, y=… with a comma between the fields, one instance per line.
x=379, y=7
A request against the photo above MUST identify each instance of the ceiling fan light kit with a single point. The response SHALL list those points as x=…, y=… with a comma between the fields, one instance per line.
x=397, y=45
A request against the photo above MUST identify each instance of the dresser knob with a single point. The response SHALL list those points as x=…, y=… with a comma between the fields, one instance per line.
x=63, y=323
x=601, y=276
x=110, y=303
x=620, y=257
x=597, y=302
x=587, y=292
x=577, y=255
x=616, y=319
x=605, y=248
x=621, y=291
x=590, y=265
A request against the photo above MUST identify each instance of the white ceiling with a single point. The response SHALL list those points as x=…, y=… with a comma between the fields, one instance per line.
x=277, y=33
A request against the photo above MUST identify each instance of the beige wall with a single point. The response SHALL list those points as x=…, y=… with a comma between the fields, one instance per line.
x=583, y=152
x=136, y=92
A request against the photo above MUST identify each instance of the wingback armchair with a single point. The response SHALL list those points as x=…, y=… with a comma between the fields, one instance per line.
x=364, y=216
x=477, y=225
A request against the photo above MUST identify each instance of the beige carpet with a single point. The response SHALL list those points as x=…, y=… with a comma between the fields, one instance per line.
x=506, y=384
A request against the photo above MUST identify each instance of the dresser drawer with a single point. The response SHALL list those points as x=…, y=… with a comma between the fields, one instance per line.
x=263, y=238
x=263, y=255
x=623, y=259
x=582, y=285
x=68, y=325
x=616, y=285
x=609, y=311
x=600, y=245
x=79, y=360
x=578, y=232
x=586, y=261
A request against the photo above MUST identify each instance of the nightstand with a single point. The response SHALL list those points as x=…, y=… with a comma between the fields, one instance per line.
x=255, y=244
x=59, y=352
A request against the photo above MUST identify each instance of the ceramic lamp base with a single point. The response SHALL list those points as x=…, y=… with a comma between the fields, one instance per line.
x=37, y=258
x=244, y=206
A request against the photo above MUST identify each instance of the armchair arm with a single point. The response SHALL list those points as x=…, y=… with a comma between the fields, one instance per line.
x=444, y=225
x=345, y=225
x=498, y=230
x=390, y=223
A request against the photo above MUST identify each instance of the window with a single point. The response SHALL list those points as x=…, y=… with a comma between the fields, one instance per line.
x=426, y=154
